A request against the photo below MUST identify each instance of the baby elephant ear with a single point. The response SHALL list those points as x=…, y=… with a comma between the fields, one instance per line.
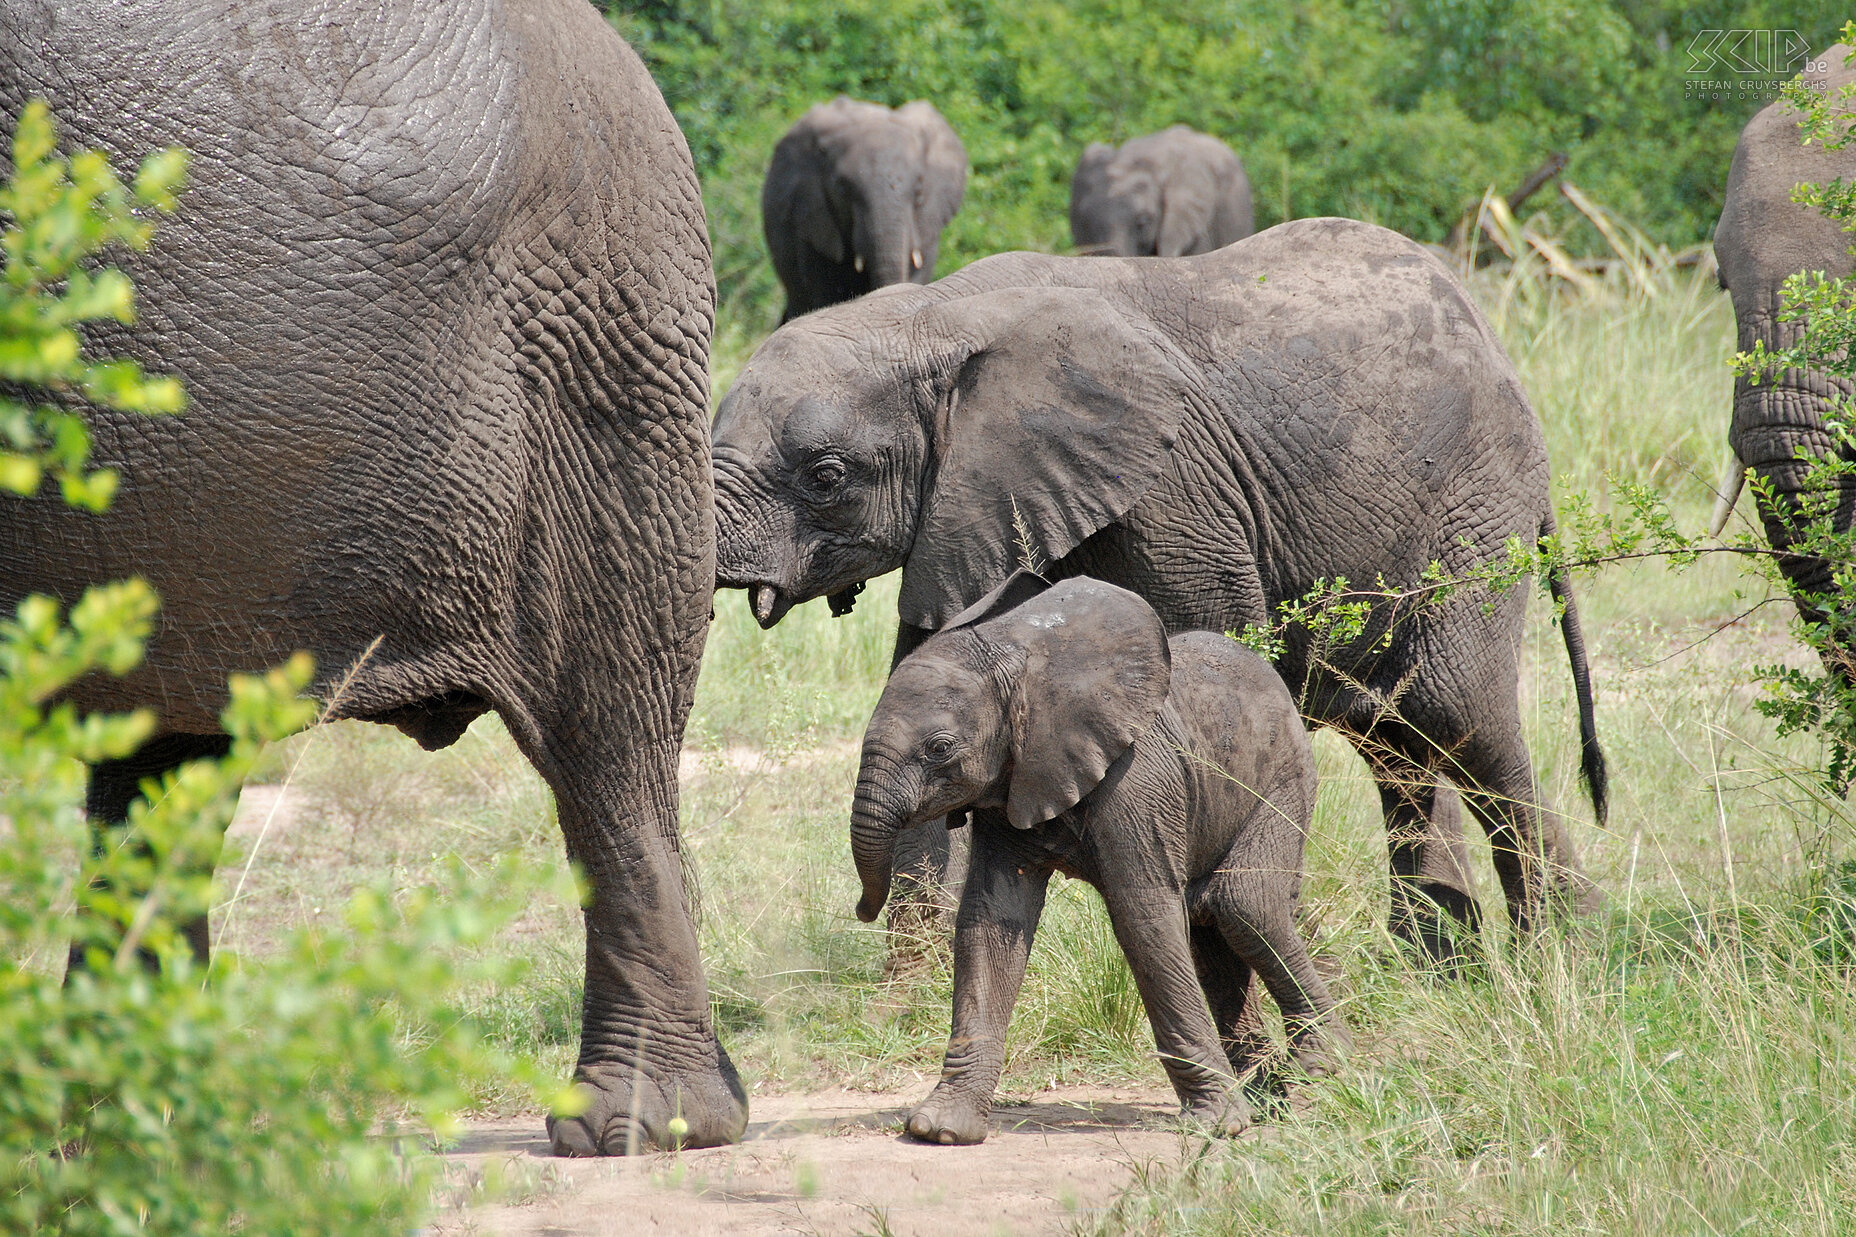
x=1096, y=672
x=1022, y=587
x=1061, y=411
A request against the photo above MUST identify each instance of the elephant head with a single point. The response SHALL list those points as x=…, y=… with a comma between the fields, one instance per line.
x=1023, y=703
x=856, y=197
x=941, y=431
x=1114, y=209
x=1779, y=422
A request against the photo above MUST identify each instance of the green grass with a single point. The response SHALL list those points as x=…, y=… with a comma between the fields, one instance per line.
x=1683, y=1062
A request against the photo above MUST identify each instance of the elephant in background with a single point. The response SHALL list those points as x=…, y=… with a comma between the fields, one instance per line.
x=1174, y=776
x=1217, y=434
x=1169, y=194
x=440, y=289
x=856, y=197
x=1763, y=237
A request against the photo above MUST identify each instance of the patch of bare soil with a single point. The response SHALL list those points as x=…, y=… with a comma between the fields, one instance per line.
x=829, y=1163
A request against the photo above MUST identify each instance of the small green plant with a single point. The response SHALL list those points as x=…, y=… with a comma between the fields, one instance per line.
x=62, y=211
x=171, y=1098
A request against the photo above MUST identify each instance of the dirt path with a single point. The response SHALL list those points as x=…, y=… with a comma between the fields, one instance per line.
x=830, y=1163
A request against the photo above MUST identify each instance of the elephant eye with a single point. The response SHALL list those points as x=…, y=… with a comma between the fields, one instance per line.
x=940, y=747
x=826, y=474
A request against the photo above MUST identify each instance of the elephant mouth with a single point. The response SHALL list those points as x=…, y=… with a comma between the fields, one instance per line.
x=769, y=603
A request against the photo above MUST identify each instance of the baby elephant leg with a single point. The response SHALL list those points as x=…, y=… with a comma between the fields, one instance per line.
x=1261, y=930
x=998, y=917
x=1152, y=930
x=1231, y=991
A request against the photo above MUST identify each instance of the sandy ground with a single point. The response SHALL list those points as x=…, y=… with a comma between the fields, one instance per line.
x=828, y=1163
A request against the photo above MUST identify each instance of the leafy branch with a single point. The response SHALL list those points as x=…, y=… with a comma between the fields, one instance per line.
x=58, y=212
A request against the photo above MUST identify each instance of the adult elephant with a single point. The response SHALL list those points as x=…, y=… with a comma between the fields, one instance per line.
x=856, y=197
x=1779, y=425
x=440, y=289
x=1169, y=194
x=1219, y=434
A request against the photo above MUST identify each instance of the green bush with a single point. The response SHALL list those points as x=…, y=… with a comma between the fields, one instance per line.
x=1402, y=112
x=167, y=1100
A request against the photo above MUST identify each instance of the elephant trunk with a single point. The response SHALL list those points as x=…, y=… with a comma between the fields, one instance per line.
x=886, y=244
x=1780, y=431
x=748, y=533
x=875, y=821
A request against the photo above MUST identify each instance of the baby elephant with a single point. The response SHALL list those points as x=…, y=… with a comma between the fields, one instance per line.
x=1174, y=776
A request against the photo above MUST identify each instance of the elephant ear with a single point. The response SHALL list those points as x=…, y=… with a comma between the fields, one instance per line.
x=793, y=199
x=1022, y=587
x=1057, y=415
x=1186, y=209
x=1096, y=673
x=944, y=166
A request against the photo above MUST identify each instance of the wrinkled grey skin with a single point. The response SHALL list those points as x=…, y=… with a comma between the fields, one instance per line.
x=1217, y=434
x=440, y=290
x=856, y=197
x=1174, y=776
x=1763, y=237
x=1169, y=194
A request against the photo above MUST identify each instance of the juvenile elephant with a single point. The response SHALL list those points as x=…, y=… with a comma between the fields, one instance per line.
x=856, y=197
x=440, y=290
x=1168, y=194
x=1763, y=237
x=1174, y=776
x=1219, y=434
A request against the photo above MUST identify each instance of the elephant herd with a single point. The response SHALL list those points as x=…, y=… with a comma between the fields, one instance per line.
x=857, y=193
x=441, y=291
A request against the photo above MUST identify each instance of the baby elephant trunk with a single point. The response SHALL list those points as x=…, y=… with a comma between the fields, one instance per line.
x=873, y=845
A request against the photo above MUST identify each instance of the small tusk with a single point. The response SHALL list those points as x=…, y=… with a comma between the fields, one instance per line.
x=1728, y=493
x=916, y=257
x=857, y=263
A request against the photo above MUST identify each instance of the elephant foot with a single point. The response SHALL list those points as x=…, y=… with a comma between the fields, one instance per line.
x=1574, y=895
x=1440, y=924
x=663, y=1115
x=950, y=1118
x=1222, y=1116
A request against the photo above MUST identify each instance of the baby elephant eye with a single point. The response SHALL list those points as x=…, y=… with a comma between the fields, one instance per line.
x=940, y=747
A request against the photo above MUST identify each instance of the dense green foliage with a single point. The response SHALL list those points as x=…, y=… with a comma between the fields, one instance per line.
x=168, y=1100
x=1401, y=112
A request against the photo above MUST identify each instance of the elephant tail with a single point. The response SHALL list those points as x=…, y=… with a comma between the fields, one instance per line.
x=1591, y=755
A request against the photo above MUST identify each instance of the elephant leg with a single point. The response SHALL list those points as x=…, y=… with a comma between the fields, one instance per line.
x=115, y=784
x=1433, y=903
x=1497, y=778
x=1259, y=926
x=1150, y=925
x=999, y=912
x=1231, y=990
x=930, y=866
x=648, y=1047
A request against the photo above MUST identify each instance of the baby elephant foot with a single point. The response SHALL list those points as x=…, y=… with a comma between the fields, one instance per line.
x=1223, y=1116
x=949, y=1118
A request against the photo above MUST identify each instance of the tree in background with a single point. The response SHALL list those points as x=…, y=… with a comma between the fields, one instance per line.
x=1400, y=112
